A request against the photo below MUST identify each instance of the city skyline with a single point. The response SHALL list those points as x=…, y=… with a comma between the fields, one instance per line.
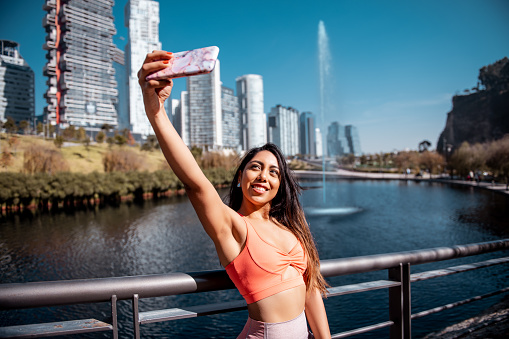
x=396, y=65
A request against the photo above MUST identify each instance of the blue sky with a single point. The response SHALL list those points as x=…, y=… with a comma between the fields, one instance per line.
x=395, y=64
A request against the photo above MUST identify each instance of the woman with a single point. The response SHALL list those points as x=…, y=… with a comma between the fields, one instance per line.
x=262, y=238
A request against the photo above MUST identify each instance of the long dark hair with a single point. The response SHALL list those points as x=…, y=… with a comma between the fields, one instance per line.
x=285, y=209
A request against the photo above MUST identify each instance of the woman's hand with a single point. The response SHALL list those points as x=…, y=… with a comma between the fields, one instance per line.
x=155, y=92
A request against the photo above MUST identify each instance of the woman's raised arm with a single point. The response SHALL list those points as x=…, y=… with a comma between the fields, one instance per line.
x=214, y=215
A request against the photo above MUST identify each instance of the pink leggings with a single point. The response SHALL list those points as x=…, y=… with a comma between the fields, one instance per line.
x=292, y=329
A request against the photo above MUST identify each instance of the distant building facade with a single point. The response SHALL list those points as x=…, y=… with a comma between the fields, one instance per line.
x=337, y=145
x=82, y=90
x=122, y=105
x=352, y=137
x=142, y=19
x=253, y=118
x=17, y=86
x=307, y=134
x=283, y=129
x=342, y=140
x=205, y=113
x=318, y=142
x=231, y=119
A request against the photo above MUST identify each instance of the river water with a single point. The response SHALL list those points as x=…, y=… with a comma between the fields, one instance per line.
x=165, y=236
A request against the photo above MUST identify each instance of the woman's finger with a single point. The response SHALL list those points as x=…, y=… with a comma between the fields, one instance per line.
x=154, y=62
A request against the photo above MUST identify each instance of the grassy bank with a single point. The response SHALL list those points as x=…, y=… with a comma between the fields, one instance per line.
x=80, y=158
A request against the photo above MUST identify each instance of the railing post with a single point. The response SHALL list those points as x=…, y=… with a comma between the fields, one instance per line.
x=114, y=322
x=136, y=317
x=400, y=303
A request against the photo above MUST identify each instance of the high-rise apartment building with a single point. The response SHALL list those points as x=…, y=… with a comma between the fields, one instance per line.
x=307, y=134
x=283, y=129
x=231, y=119
x=82, y=90
x=352, y=137
x=142, y=19
x=205, y=114
x=17, y=98
x=253, y=118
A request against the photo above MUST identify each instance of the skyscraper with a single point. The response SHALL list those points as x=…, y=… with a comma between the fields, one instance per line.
x=82, y=90
x=352, y=137
x=307, y=134
x=142, y=19
x=253, y=119
x=231, y=119
x=205, y=114
x=122, y=105
x=283, y=129
x=17, y=99
x=337, y=144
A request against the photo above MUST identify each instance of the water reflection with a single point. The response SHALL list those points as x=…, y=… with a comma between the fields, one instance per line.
x=165, y=236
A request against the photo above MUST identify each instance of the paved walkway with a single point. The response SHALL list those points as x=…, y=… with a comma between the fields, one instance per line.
x=345, y=174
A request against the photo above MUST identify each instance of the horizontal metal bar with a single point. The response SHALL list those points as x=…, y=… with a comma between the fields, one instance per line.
x=68, y=292
x=54, y=293
x=191, y=312
x=361, y=287
x=336, y=267
x=362, y=330
x=56, y=328
x=458, y=303
x=457, y=269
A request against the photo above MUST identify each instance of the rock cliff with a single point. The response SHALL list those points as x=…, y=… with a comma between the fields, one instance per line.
x=482, y=116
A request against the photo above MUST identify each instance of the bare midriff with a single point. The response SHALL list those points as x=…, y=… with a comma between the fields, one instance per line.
x=283, y=306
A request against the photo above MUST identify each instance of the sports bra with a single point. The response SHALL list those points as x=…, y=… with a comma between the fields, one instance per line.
x=258, y=270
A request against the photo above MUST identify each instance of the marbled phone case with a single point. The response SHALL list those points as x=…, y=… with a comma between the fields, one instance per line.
x=183, y=64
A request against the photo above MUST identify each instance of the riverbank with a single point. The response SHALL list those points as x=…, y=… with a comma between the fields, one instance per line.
x=345, y=174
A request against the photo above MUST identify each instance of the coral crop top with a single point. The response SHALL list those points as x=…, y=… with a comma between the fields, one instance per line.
x=258, y=270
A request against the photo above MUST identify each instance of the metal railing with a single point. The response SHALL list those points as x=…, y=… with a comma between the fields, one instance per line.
x=56, y=293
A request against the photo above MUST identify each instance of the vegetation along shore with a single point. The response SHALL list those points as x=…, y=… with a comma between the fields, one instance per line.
x=36, y=172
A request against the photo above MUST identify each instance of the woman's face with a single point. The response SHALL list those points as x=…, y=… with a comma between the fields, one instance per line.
x=260, y=179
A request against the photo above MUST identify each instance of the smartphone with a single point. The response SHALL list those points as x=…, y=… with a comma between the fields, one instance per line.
x=187, y=63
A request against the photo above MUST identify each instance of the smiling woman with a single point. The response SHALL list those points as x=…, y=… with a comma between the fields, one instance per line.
x=261, y=237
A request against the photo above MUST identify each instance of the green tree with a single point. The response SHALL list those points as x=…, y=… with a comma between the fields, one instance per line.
x=59, y=141
x=81, y=134
x=100, y=137
x=69, y=133
x=10, y=125
x=39, y=128
x=120, y=139
x=25, y=126
x=424, y=146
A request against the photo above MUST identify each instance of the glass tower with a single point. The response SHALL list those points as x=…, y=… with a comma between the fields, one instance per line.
x=354, y=143
x=307, y=134
x=82, y=90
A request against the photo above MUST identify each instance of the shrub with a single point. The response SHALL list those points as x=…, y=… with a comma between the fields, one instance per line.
x=121, y=160
x=42, y=159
